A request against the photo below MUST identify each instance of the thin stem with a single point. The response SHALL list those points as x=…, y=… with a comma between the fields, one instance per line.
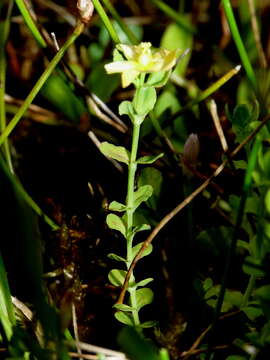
x=256, y=33
x=5, y=32
x=248, y=291
x=132, y=38
x=239, y=43
x=30, y=23
x=106, y=21
x=207, y=92
x=130, y=211
x=58, y=56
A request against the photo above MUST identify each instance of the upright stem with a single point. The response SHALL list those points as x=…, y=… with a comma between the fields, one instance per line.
x=5, y=31
x=130, y=210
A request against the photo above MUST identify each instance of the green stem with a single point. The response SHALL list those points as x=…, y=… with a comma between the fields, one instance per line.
x=5, y=31
x=106, y=21
x=132, y=38
x=130, y=210
x=207, y=92
x=239, y=43
x=248, y=291
x=30, y=23
x=77, y=31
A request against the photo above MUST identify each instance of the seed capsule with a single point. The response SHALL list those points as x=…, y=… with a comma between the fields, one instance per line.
x=86, y=9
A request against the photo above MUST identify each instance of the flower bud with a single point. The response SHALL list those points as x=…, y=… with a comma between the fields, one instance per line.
x=190, y=153
x=86, y=9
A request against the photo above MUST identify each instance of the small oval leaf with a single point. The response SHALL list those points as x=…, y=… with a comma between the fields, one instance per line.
x=148, y=324
x=144, y=282
x=123, y=307
x=116, y=223
x=144, y=297
x=116, y=257
x=149, y=159
x=124, y=318
x=137, y=248
x=117, y=206
x=117, y=277
x=142, y=194
x=118, y=153
x=142, y=227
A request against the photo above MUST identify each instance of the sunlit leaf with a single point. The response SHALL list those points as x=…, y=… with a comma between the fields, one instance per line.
x=116, y=257
x=117, y=277
x=144, y=297
x=123, y=307
x=116, y=223
x=124, y=318
x=118, y=153
x=142, y=227
x=117, y=206
x=144, y=282
x=150, y=159
x=137, y=248
x=142, y=194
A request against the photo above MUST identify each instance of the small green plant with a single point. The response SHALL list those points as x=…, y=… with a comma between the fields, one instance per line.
x=146, y=69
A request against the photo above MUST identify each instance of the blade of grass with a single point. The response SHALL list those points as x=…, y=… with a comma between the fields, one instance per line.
x=7, y=316
x=239, y=43
x=30, y=23
x=132, y=38
x=106, y=21
x=207, y=92
x=47, y=72
x=4, y=31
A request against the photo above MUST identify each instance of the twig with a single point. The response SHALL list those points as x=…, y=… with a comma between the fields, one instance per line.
x=256, y=33
x=199, y=351
x=215, y=117
x=180, y=207
x=192, y=350
x=75, y=329
x=100, y=350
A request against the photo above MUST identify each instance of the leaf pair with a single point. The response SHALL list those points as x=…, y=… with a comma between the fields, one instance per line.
x=116, y=222
x=121, y=154
x=144, y=297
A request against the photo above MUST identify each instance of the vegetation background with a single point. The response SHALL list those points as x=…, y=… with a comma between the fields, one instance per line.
x=211, y=199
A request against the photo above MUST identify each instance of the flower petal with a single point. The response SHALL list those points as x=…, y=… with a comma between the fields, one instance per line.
x=119, y=66
x=127, y=50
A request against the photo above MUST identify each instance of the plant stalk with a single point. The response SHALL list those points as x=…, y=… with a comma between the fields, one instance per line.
x=239, y=43
x=130, y=211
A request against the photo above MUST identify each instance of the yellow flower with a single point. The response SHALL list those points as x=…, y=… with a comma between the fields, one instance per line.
x=141, y=59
